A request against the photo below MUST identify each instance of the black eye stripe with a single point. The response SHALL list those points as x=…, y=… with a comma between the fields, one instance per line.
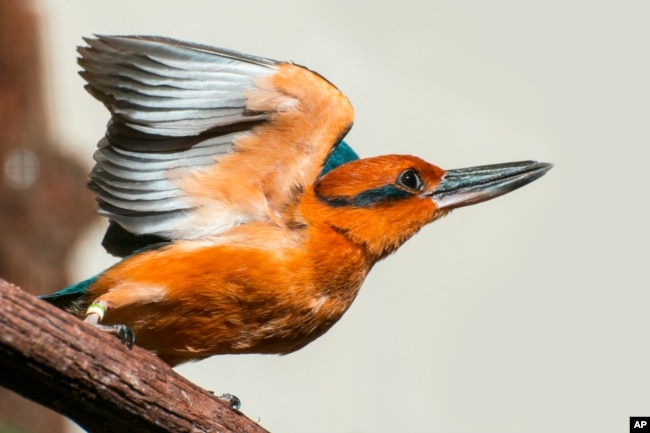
x=406, y=185
x=409, y=179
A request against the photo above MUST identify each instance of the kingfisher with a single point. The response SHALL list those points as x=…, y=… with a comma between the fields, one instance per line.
x=245, y=223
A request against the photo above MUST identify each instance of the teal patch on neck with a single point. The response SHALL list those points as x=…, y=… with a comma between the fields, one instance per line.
x=341, y=154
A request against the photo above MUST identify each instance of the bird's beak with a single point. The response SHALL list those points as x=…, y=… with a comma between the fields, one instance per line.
x=466, y=186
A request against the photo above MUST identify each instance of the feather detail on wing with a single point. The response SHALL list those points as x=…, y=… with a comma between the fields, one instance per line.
x=202, y=139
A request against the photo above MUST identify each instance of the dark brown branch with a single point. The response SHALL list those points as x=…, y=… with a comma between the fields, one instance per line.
x=60, y=362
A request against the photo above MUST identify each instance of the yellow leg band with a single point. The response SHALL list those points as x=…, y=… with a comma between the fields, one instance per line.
x=96, y=308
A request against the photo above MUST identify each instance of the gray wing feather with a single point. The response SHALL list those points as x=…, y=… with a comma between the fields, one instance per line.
x=175, y=107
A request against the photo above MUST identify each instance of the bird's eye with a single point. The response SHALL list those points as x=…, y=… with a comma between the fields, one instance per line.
x=410, y=179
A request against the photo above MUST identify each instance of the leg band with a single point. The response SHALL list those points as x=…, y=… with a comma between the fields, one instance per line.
x=96, y=308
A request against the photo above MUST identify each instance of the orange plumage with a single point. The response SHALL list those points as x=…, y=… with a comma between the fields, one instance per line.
x=214, y=161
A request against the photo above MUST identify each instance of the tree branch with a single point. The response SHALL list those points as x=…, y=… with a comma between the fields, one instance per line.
x=51, y=357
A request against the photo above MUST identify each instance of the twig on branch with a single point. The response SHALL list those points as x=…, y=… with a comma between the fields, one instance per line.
x=58, y=361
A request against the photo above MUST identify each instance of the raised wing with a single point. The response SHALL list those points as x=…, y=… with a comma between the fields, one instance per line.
x=202, y=139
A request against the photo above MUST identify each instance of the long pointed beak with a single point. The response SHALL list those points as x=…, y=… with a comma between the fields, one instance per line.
x=466, y=186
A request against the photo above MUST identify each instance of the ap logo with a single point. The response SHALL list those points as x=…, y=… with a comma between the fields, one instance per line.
x=640, y=424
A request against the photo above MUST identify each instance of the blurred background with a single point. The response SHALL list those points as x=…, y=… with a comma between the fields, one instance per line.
x=525, y=314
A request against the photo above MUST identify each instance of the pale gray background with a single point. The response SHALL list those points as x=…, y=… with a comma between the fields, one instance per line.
x=525, y=314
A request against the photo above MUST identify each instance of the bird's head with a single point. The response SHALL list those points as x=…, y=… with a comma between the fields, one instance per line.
x=380, y=202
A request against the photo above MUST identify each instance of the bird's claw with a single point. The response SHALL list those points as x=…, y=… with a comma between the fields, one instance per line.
x=123, y=332
x=125, y=335
x=233, y=401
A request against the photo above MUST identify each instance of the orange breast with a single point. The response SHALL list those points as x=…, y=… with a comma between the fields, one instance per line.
x=187, y=303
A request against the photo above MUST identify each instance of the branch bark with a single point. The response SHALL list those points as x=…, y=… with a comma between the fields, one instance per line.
x=87, y=375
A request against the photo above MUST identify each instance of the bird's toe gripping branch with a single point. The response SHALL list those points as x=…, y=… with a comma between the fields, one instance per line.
x=233, y=401
x=123, y=332
x=95, y=314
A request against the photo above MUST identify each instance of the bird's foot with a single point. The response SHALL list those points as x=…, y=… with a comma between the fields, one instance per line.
x=233, y=401
x=123, y=332
x=95, y=314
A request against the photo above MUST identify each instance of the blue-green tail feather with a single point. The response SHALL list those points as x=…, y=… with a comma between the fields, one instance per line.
x=67, y=297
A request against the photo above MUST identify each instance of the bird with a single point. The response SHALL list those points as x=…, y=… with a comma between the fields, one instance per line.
x=243, y=220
